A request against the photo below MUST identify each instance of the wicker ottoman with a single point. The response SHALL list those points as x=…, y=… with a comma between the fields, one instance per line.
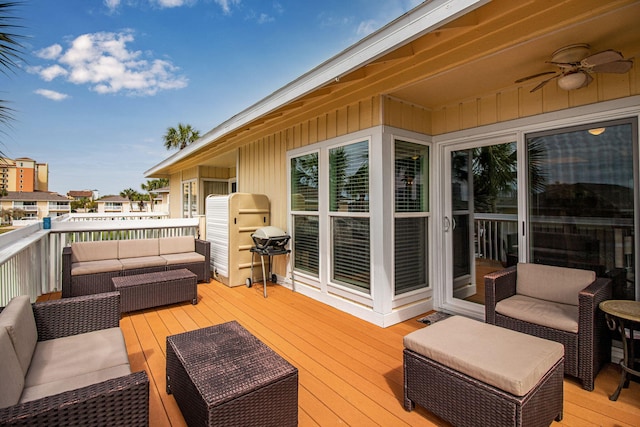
x=224, y=376
x=147, y=290
x=471, y=373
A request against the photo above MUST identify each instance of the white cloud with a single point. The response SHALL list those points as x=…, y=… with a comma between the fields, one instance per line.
x=50, y=73
x=366, y=27
x=104, y=62
x=112, y=5
x=226, y=5
x=51, y=52
x=51, y=94
x=264, y=18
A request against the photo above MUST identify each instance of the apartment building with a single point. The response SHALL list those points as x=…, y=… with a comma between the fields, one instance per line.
x=23, y=174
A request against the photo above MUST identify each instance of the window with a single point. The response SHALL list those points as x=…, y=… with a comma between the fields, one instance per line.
x=411, y=209
x=189, y=199
x=349, y=215
x=304, y=208
x=582, y=199
x=218, y=188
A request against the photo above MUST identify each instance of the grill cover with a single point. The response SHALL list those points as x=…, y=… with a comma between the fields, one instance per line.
x=270, y=236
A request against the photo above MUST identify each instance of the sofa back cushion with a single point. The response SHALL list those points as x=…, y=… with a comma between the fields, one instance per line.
x=10, y=372
x=137, y=248
x=558, y=284
x=176, y=245
x=94, y=251
x=17, y=319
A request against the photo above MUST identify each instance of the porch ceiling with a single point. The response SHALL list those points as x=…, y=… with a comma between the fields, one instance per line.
x=612, y=28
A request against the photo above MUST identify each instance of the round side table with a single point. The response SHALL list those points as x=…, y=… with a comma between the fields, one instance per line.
x=623, y=316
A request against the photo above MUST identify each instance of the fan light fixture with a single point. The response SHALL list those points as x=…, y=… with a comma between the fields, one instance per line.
x=597, y=131
x=572, y=81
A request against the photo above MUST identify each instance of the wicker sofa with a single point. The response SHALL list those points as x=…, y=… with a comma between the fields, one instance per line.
x=555, y=303
x=88, y=267
x=64, y=362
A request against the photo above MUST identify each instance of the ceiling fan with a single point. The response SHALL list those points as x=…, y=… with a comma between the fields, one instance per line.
x=576, y=66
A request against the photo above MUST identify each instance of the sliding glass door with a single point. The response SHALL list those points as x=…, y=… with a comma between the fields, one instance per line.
x=480, y=216
x=582, y=200
x=576, y=206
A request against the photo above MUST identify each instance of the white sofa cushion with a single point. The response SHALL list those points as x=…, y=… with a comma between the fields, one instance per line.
x=541, y=312
x=76, y=361
x=559, y=284
x=177, y=244
x=17, y=318
x=94, y=251
x=506, y=359
x=97, y=266
x=10, y=372
x=138, y=248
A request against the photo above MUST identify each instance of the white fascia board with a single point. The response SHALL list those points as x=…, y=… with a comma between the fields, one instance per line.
x=413, y=24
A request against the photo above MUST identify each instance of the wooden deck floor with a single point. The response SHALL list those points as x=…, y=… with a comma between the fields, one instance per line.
x=350, y=372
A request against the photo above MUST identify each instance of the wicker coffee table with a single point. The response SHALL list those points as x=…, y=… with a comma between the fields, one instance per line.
x=140, y=291
x=224, y=376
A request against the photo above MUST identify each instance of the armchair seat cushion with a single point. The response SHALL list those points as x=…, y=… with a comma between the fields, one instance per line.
x=545, y=313
x=75, y=361
x=93, y=267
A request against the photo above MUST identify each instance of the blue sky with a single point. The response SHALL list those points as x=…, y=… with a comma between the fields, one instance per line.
x=102, y=80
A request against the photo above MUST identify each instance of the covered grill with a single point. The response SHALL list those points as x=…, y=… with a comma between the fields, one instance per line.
x=269, y=241
x=270, y=238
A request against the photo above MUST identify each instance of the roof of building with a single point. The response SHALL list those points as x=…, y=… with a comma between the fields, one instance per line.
x=34, y=196
x=112, y=199
x=80, y=193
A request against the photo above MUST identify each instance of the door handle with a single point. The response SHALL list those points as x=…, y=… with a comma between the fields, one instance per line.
x=447, y=224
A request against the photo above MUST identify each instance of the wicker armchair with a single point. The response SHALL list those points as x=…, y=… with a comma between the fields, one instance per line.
x=119, y=401
x=587, y=349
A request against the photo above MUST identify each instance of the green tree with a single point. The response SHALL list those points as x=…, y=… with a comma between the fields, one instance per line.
x=180, y=137
x=151, y=185
x=10, y=51
x=130, y=194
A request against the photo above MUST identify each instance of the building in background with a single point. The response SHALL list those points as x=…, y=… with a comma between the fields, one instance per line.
x=23, y=174
x=22, y=208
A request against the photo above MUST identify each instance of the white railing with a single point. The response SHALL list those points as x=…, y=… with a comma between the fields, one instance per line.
x=31, y=257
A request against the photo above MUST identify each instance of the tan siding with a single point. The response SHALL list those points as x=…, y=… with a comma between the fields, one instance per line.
x=175, y=190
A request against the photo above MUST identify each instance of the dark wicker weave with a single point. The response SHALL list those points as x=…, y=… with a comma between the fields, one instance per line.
x=88, y=284
x=585, y=352
x=156, y=289
x=224, y=376
x=116, y=402
x=465, y=401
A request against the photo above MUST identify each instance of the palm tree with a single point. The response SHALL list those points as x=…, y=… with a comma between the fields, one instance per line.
x=10, y=50
x=153, y=184
x=130, y=194
x=180, y=137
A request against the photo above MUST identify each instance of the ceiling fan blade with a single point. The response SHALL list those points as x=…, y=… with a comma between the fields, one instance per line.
x=544, y=82
x=600, y=58
x=619, y=67
x=524, y=79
